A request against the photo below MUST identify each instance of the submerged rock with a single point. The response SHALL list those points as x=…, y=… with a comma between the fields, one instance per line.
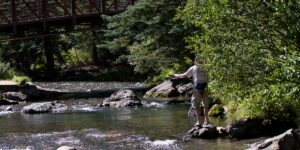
x=288, y=140
x=45, y=107
x=16, y=96
x=122, y=98
x=208, y=131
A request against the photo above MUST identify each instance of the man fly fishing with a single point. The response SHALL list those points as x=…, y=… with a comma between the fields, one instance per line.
x=200, y=90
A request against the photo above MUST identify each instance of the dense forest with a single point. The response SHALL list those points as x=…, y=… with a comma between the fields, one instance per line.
x=251, y=48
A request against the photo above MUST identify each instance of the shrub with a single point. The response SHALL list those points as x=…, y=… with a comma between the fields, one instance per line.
x=6, y=72
x=21, y=79
x=216, y=111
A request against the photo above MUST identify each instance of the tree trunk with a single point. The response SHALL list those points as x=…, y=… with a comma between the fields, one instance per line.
x=49, y=58
x=94, y=48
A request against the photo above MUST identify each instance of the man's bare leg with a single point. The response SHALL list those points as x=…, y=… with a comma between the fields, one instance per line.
x=206, y=119
x=198, y=115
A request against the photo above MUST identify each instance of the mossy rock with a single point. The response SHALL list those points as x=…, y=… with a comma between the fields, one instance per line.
x=216, y=110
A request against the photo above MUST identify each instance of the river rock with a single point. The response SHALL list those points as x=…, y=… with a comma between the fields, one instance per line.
x=36, y=92
x=288, y=140
x=66, y=148
x=185, y=89
x=45, y=107
x=207, y=131
x=122, y=98
x=165, y=89
x=222, y=131
x=245, y=128
x=254, y=127
x=9, y=108
x=16, y=96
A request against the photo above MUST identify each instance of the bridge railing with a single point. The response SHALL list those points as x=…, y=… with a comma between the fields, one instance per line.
x=17, y=11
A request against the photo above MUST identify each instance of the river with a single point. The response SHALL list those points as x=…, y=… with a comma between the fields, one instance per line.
x=154, y=126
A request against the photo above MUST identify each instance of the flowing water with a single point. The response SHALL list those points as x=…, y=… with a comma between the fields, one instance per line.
x=87, y=126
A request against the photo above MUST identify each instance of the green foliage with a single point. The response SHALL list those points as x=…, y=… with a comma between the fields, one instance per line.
x=21, y=79
x=147, y=36
x=252, y=50
x=165, y=74
x=6, y=72
x=216, y=110
x=75, y=57
x=23, y=54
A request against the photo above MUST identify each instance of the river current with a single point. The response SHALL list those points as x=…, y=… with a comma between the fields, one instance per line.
x=154, y=126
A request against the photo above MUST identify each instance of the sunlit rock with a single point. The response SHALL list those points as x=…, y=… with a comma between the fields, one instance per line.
x=165, y=89
x=207, y=131
x=171, y=88
x=222, y=131
x=66, y=148
x=185, y=89
x=122, y=98
x=9, y=108
x=288, y=140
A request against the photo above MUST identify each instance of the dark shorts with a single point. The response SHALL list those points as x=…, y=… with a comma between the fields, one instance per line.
x=200, y=97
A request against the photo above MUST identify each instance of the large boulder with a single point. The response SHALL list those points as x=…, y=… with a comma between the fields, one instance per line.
x=245, y=128
x=16, y=96
x=165, y=89
x=254, y=127
x=45, y=107
x=36, y=92
x=288, y=140
x=122, y=98
x=185, y=89
x=207, y=131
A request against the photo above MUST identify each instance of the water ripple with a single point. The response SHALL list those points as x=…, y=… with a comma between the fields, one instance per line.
x=85, y=139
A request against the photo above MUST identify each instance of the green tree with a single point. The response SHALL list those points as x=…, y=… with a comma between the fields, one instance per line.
x=147, y=36
x=253, y=53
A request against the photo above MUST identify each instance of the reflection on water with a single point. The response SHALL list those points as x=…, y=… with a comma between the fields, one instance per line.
x=155, y=126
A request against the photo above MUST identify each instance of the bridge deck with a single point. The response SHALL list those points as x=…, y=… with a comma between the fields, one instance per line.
x=20, y=16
